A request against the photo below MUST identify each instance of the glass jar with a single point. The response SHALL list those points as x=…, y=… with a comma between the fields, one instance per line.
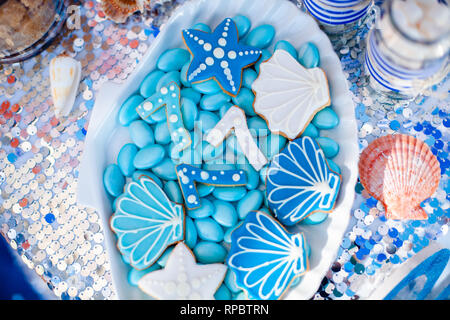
x=400, y=64
x=339, y=18
x=27, y=27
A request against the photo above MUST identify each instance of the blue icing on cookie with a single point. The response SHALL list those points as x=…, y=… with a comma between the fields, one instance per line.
x=168, y=96
x=219, y=55
x=265, y=258
x=188, y=175
x=146, y=223
x=300, y=182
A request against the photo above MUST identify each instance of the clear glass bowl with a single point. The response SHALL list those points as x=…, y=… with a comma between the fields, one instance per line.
x=27, y=27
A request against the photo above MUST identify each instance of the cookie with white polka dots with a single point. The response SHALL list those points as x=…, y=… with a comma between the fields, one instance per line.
x=219, y=55
x=188, y=175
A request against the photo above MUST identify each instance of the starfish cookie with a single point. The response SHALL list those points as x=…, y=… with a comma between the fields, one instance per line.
x=219, y=55
x=182, y=278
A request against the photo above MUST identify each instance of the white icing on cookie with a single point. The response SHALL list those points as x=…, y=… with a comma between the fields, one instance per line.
x=235, y=119
x=288, y=95
x=182, y=278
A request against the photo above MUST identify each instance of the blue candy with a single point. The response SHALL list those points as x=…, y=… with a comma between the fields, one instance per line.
x=173, y=59
x=272, y=144
x=213, y=102
x=202, y=27
x=227, y=234
x=209, y=252
x=172, y=76
x=205, y=210
x=173, y=191
x=125, y=159
x=258, y=127
x=135, y=275
x=251, y=202
x=208, y=229
x=149, y=156
x=141, y=133
x=230, y=281
x=329, y=146
x=223, y=293
x=243, y=25
x=286, y=46
x=248, y=77
x=225, y=213
x=207, y=87
x=308, y=55
x=148, y=86
x=310, y=131
x=245, y=101
x=229, y=193
x=191, y=94
x=127, y=112
x=204, y=189
x=265, y=55
x=210, y=152
x=189, y=112
x=326, y=119
x=315, y=218
x=162, y=134
x=183, y=75
x=191, y=233
x=163, y=259
x=165, y=170
x=113, y=180
x=333, y=166
x=261, y=36
x=208, y=120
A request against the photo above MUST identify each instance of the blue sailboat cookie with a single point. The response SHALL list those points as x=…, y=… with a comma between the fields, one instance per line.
x=219, y=55
x=265, y=258
x=146, y=223
x=300, y=182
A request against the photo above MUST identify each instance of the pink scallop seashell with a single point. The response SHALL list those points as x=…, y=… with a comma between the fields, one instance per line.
x=400, y=171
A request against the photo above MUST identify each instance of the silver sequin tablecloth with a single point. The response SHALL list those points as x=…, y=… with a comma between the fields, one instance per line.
x=40, y=154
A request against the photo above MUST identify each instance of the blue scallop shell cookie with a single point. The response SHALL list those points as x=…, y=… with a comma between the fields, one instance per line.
x=300, y=182
x=146, y=223
x=265, y=258
x=219, y=55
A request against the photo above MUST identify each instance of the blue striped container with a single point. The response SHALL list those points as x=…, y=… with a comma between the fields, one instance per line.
x=338, y=12
x=395, y=72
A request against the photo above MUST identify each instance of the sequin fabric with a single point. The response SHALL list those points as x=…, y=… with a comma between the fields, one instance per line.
x=40, y=154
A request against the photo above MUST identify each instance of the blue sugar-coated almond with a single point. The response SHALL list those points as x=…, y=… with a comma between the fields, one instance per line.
x=308, y=55
x=141, y=133
x=173, y=59
x=149, y=156
x=261, y=36
x=209, y=252
x=127, y=112
x=125, y=159
x=113, y=180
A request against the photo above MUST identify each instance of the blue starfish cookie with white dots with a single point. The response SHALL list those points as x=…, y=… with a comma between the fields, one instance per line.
x=219, y=55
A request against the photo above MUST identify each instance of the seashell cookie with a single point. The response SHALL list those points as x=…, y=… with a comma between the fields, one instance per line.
x=266, y=258
x=287, y=95
x=300, y=182
x=400, y=171
x=146, y=223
